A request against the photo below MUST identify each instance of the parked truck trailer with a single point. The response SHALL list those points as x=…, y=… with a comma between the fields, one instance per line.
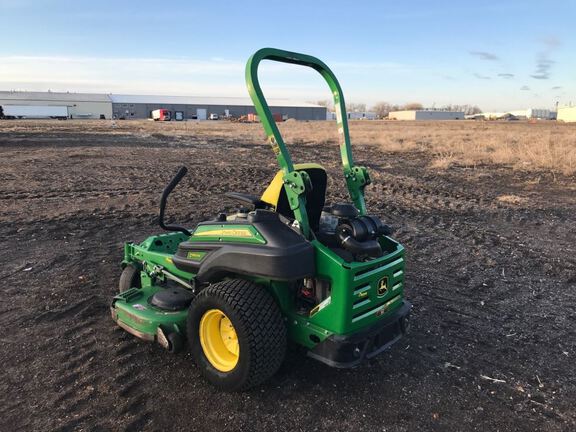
x=35, y=112
x=161, y=115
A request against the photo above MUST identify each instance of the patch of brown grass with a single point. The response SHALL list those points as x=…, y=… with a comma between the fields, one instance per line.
x=443, y=161
x=511, y=199
x=545, y=145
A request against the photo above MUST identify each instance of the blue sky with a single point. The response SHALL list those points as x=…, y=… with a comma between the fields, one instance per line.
x=499, y=55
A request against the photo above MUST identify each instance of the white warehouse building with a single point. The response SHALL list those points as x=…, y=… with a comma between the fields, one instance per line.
x=567, y=114
x=534, y=113
x=425, y=115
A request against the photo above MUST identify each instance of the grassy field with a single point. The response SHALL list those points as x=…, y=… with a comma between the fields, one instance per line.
x=540, y=146
x=545, y=145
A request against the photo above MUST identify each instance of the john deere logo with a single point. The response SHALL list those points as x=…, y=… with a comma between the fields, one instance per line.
x=382, y=286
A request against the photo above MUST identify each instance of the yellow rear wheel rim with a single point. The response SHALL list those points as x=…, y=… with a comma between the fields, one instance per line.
x=219, y=340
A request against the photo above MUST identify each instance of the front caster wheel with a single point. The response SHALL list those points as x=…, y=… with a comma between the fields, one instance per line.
x=175, y=343
x=130, y=278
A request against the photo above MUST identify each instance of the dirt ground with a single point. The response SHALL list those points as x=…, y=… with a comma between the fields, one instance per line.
x=491, y=271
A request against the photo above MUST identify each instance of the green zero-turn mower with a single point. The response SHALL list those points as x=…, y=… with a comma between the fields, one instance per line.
x=289, y=267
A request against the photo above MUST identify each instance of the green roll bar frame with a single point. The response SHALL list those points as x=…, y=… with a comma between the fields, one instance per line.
x=296, y=182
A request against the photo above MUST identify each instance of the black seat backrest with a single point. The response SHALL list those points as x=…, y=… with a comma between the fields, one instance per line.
x=315, y=198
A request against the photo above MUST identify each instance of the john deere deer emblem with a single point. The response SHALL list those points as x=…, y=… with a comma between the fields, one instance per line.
x=382, y=286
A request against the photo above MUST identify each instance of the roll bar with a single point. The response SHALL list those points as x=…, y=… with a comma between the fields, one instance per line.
x=295, y=181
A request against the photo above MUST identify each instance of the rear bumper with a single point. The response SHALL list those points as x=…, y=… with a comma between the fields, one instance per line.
x=345, y=351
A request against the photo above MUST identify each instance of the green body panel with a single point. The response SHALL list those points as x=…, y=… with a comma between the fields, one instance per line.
x=353, y=304
x=132, y=309
x=155, y=253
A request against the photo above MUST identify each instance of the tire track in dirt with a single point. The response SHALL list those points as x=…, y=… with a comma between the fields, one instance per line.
x=76, y=194
x=115, y=400
x=484, y=243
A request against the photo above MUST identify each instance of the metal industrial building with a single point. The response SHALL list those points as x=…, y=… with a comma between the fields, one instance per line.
x=80, y=105
x=425, y=115
x=534, y=113
x=90, y=105
x=193, y=107
x=567, y=114
x=353, y=115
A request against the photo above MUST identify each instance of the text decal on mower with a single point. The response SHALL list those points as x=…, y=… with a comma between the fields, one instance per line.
x=225, y=233
x=231, y=233
x=195, y=255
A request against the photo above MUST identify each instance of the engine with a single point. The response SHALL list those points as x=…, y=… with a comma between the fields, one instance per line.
x=352, y=237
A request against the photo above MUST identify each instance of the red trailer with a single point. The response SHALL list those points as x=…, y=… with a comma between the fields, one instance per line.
x=254, y=118
x=161, y=115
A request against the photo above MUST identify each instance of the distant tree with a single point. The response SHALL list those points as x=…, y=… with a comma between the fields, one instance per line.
x=325, y=103
x=356, y=107
x=382, y=109
x=413, y=106
x=466, y=109
x=474, y=110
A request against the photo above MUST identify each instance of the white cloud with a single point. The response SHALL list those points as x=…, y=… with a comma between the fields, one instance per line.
x=142, y=75
x=215, y=77
x=173, y=76
x=362, y=82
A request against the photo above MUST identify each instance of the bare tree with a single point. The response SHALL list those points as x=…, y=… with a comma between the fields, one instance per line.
x=382, y=109
x=473, y=110
x=356, y=107
x=466, y=109
x=325, y=103
x=413, y=106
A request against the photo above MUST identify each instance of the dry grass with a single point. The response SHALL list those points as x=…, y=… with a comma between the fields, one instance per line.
x=547, y=146
x=443, y=161
x=529, y=146
x=511, y=199
x=541, y=146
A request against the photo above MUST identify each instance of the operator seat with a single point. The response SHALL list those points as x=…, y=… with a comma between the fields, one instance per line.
x=275, y=194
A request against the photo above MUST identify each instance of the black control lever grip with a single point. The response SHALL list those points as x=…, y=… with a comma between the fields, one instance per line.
x=182, y=171
x=167, y=190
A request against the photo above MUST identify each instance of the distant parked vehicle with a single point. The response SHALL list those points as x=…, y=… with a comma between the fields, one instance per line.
x=214, y=116
x=161, y=115
x=35, y=112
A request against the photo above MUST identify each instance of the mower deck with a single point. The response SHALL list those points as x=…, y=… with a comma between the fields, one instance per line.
x=134, y=312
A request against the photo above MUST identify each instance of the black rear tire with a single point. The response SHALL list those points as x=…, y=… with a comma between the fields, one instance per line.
x=259, y=326
x=130, y=278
